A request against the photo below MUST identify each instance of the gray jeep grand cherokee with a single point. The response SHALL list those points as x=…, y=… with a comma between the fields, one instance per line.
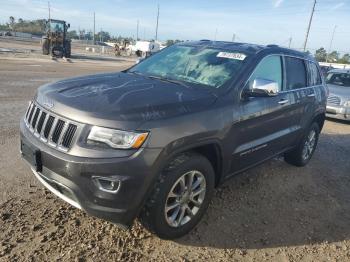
x=155, y=140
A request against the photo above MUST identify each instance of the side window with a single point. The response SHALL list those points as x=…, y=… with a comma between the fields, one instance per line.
x=295, y=73
x=270, y=68
x=313, y=74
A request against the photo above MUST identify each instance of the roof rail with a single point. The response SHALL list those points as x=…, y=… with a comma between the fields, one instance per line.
x=273, y=45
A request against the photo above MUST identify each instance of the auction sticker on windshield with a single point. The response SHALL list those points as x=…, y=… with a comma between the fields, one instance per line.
x=236, y=56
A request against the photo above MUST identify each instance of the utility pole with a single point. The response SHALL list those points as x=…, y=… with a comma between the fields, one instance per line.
x=290, y=42
x=48, y=5
x=101, y=35
x=330, y=45
x=309, y=26
x=233, y=37
x=137, y=31
x=144, y=33
x=93, y=37
x=157, y=24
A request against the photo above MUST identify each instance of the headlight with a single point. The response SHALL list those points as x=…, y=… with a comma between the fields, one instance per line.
x=347, y=103
x=117, y=138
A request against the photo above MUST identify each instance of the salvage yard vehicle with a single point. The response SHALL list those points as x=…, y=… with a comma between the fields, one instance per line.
x=154, y=141
x=55, y=41
x=145, y=48
x=338, y=102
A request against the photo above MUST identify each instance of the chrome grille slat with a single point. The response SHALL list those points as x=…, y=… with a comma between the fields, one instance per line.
x=68, y=136
x=35, y=117
x=57, y=131
x=49, y=128
x=29, y=107
x=63, y=132
x=31, y=114
x=51, y=132
x=39, y=125
x=333, y=100
x=35, y=125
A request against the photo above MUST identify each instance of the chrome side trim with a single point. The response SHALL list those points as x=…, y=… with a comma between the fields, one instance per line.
x=56, y=192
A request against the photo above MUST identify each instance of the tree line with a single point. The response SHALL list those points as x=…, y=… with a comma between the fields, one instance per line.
x=322, y=55
x=37, y=27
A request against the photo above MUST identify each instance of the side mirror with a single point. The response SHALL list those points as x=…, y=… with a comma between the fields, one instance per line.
x=68, y=25
x=262, y=88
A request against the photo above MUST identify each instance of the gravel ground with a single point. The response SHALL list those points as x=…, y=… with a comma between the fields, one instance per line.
x=274, y=212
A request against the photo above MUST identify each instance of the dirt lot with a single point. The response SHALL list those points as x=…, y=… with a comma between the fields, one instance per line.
x=275, y=212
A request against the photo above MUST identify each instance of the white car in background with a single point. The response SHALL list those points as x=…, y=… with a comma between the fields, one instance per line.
x=338, y=102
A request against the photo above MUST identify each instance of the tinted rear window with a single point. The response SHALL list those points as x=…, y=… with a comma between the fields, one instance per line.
x=296, y=74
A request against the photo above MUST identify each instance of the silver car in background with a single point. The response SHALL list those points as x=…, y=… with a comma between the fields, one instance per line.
x=338, y=103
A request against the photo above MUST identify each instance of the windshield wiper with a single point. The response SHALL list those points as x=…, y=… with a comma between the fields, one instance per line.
x=169, y=80
x=135, y=73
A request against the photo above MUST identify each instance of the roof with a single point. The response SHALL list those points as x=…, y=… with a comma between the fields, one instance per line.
x=57, y=21
x=247, y=48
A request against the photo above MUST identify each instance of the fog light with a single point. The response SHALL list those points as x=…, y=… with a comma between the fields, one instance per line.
x=107, y=184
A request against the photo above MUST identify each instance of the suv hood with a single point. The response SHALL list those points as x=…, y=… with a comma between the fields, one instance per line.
x=121, y=100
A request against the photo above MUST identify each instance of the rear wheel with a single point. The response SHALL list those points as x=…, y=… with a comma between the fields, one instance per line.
x=180, y=197
x=68, y=49
x=302, y=154
x=57, y=51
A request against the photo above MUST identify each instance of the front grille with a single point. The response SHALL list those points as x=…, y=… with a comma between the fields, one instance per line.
x=333, y=100
x=49, y=128
x=57, y=131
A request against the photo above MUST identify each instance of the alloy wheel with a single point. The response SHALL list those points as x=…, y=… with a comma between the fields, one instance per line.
x=185, y=198
x=309, y=145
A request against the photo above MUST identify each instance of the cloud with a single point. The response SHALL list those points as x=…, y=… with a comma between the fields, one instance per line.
x=337, y=6
x=277, y=3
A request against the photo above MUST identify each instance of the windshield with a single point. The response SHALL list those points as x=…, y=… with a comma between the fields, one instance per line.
x=339, y=79
x=56, y=27
x=198, y=65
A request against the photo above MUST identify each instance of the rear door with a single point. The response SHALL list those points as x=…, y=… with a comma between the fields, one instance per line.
x=301, y=95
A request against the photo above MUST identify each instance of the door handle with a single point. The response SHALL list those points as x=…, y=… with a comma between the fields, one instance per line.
x=283, y=101
x=311, y=95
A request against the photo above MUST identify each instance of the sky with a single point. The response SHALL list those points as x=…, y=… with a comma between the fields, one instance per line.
x=252, y=21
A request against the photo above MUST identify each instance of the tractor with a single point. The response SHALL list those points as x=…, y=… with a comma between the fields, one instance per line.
x=55, y=41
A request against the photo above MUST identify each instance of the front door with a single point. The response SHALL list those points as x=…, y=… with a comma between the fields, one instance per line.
x=266, y=123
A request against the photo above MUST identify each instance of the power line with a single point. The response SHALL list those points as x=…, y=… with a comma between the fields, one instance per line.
x=331, y=43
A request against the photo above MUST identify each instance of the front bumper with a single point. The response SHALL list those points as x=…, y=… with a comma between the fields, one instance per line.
x=70, y=178
x=338, y=112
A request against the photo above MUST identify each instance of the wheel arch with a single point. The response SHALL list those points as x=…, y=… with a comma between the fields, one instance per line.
x=211, y=150
x=319, y=119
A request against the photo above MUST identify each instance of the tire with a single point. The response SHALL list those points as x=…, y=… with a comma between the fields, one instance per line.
x=57, y=51
x=68, y=49
x=297, y=156
x=45, y=46
x=155, y=219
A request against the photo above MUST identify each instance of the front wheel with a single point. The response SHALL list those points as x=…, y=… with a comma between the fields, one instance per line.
x=180, y=197
x=302, y=154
